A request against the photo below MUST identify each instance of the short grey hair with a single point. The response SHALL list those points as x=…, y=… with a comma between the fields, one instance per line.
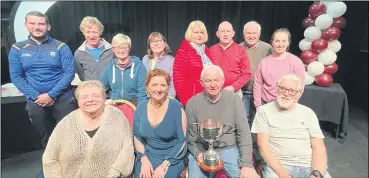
x=293, y=77
x=252, y=23
x=38, y=14
x=90, y=84
x=213, y=68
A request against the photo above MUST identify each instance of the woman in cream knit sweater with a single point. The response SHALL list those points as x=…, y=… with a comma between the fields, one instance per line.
x=94, y=141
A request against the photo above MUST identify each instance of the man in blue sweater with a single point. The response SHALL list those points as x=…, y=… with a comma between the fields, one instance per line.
x=42, y=68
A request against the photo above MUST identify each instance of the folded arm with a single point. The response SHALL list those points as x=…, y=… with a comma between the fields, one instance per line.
x=194, y=147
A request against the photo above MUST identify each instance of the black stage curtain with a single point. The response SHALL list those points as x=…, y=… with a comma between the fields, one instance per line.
x=138, y=19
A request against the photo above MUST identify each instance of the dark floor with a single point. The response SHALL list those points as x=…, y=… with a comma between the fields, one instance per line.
x=348, y=159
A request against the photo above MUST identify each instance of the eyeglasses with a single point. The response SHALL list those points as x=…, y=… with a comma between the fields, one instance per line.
x=291, y=92
x=93, y=97
x=156, y=42
x=123, y=48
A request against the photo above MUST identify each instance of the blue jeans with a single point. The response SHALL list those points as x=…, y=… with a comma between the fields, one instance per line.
x=294, y=171
x=248, y=104
x=228, y=155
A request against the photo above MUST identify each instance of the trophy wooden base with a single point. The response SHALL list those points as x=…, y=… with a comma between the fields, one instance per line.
x=211, y=168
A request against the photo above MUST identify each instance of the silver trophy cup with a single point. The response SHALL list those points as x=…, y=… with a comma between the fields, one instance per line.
x=211, y=130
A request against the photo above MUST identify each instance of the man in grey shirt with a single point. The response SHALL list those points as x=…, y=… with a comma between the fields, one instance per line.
x=235, y=147
x=256, y=50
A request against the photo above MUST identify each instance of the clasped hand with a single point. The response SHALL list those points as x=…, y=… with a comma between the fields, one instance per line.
x=147, y=170
x=44, y=100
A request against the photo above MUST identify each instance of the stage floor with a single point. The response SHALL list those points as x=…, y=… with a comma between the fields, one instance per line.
x=347, y=159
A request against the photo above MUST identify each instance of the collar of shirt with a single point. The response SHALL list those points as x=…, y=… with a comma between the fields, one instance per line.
x=126, y=65
x=208, y=98
x=47, y=38
x=256, y=46
x=226, y=47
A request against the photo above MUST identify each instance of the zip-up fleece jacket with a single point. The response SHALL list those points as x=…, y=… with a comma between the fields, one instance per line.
x=127, y=84
x=41, y=68
x=86, y=66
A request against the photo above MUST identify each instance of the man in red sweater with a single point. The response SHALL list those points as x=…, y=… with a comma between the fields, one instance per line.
x=232, y=58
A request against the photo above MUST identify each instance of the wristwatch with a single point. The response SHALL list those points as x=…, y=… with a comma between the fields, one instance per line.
x=317, y=174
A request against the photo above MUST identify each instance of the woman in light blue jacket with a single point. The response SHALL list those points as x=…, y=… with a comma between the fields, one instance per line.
x=125, y=76
x=158, y=57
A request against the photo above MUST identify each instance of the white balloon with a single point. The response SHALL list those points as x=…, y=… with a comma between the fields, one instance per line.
x=308, y=79
x=312, y=33
x=327, y=57
x=323, y=21
x=315, y=68
x=334, y=46
x=336, y=9
x=304, y=45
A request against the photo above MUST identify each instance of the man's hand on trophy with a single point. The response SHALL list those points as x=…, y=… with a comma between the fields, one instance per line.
x=248, y=172
x=146, y=168
x=200, y=157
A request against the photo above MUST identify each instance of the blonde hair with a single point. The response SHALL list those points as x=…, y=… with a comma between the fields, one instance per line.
x=152, y=37
x=192, y=26
x=252, y=23
x=120, y=39
x=90, y=84
x=88, y=20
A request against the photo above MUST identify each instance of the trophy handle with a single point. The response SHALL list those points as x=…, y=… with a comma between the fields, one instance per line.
x=228, y=129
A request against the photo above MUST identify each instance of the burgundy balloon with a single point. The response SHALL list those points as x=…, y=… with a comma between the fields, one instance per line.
x=308, y=22
x=339, y=22
x=324, y=80
x=317, y=9
x=331, y=69
x=308, y=56
x=331, y=33
x=319, y=45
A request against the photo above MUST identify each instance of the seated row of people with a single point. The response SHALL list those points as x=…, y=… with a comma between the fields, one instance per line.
x=96, y=139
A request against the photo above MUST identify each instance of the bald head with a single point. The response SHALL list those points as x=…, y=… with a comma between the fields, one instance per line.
x=225, y=33
x=225, y=25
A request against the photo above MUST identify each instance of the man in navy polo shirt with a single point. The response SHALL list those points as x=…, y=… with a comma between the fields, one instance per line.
x=42, y=68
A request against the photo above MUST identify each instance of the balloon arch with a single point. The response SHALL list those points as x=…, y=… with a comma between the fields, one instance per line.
x=319, y=48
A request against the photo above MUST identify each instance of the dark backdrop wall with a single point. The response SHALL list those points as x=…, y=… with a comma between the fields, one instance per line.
x=139, y=19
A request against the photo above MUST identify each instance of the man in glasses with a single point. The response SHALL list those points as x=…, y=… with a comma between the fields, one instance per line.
x=289, y=136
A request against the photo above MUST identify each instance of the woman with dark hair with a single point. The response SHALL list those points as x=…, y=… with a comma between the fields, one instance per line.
x=158, y=57
x=160, y=127
x=274, y=66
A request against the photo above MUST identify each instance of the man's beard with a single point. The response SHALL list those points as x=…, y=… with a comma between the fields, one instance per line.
x=285, y=104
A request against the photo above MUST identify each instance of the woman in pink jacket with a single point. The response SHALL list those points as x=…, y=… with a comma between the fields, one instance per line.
x=274, y=66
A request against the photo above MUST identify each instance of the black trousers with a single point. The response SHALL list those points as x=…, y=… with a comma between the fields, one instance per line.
x=46, y=118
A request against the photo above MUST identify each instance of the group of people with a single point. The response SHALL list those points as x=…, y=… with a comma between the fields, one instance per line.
x=223, y=82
